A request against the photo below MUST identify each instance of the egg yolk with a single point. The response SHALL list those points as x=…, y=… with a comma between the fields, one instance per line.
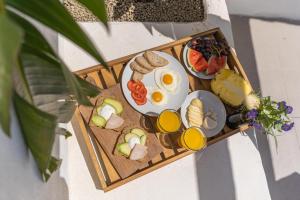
x=156, y=96
x=167, y=79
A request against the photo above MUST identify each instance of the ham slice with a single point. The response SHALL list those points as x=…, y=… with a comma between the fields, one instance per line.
x=138, y=152
x=114, y=122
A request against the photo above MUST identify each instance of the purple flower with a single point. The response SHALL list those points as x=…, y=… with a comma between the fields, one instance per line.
x=288, y=109
x=252, y=114
x=255, y=125
x=281, y=104
x=287, y=127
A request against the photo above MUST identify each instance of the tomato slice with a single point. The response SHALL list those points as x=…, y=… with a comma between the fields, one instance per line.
x=143, y=91
x=131, y=85
x=141, y=102
x=138, y=91
x=136, y=96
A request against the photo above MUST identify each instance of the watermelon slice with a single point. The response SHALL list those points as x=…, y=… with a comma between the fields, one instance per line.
x=193, y=56
x=201, y=65
x=215, y=63
x=196, y=60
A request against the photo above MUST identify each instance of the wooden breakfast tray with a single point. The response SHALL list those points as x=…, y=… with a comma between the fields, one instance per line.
x=101, y=168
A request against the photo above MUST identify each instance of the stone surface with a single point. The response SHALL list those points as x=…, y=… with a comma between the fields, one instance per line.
x=143, y=10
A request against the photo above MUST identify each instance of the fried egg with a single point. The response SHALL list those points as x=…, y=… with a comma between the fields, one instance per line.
x=167, y=79
x=156, y=96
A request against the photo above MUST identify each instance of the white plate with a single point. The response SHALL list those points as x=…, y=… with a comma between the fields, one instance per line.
x=197, y=74
x=210, y=103
x=174, y=100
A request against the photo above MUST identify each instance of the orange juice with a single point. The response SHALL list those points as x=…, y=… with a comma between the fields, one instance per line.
x=168, y=121
x=192, y=139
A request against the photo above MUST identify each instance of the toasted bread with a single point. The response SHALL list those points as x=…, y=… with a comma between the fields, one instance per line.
x=136, y=67
x=141, y=60
x=154, y=59
x=137, y=76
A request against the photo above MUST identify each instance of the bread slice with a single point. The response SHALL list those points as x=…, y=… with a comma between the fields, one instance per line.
x=137, y=76
x=154, y=59
x=136, y=67
x=141, y=60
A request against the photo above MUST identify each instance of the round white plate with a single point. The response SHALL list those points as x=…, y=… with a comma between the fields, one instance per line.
x=210, y=103
x=174, y=100
x=197, y=74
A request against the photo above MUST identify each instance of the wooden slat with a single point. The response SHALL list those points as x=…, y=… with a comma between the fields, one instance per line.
x=109, y=169
x=195, y=84
x=178, y=51
x=238, y=65
x=107, y=77
x=156, y=159
x=95, y=77
x=226, y=135
x=166, y=152
x=86, y=140
x=112, y=173
x=118, y=68
x=168, y=51
x=205, y=84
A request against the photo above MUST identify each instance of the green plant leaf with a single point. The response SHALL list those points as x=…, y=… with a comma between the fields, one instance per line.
x=38, y=129
x=10, y=41
x=97, y=7
x=32, y=37
x=54, y=164
x=48, y=86
x=2, y=6
x=63, y=131
x=63, y=109
x=36, y=44
x=54, y=15
x=87, y=88
x=38, y=61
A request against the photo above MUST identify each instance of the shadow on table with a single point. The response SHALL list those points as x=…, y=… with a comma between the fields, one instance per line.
x=180, y=30
x=287, y=187
x=214, y=173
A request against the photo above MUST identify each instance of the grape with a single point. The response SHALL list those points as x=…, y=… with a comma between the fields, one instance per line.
x=198, y=49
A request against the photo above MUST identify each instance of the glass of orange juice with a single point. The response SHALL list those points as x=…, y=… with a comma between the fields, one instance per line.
x=192, y=139
x=168, y=121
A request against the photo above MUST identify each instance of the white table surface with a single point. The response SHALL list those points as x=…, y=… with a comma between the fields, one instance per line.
x=231, y=169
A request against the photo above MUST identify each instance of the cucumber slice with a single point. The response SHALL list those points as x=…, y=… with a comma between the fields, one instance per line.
x=98, y=121
x=115, y=104
x=128, y=136
x=138, y=132
x=124, y=149
x=143, y=139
